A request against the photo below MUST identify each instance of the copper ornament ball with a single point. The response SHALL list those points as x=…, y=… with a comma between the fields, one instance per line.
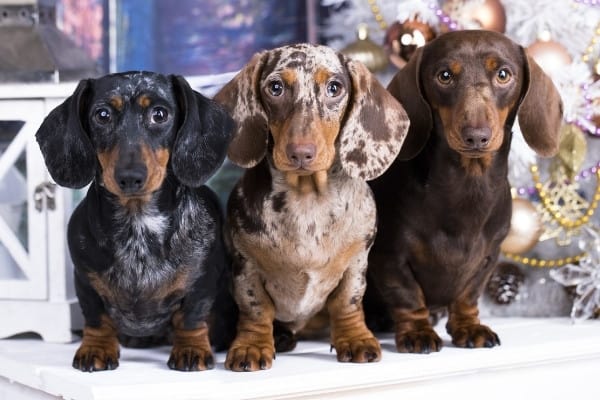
x=525, y=228
x=550, y=55
x=402, y=39
x=489, y=15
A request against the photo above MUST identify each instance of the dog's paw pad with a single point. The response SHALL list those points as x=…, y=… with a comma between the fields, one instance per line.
x=475, y=336
x=191, y=359
x=95, y=358
x=358, y=350
x=423, y=341
x=246, y=358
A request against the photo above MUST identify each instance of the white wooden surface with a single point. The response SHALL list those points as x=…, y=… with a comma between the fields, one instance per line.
x=539, y=359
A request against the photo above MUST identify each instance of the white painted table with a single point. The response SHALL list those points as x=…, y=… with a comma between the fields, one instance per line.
x=539, y=359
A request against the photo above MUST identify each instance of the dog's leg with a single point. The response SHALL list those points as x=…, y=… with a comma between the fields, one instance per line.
x=402, y=293
x=191, y=346
x=350, y=337
x=463, y=321
x=464, y=326
x=99, y=349
x=254, y=346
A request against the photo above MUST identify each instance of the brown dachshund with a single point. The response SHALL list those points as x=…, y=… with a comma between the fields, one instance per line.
x=445, y=205
x=313, y=126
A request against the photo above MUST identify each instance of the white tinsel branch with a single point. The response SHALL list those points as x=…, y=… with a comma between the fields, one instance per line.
x=569, y=23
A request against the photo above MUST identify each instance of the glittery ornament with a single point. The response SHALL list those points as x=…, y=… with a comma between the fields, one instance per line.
x=503, y=286
x=571, y=152
x=366, y=51
x=402, y=39
x=584, y=277
x=550, y=55
x=525, y=228
x=477, y=14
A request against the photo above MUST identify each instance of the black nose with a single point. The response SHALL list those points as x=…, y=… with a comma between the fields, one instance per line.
x=301, y=154
x=476, y=138
x=131, y=180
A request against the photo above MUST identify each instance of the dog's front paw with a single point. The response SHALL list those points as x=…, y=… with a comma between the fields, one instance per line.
x=191, y=358
x=99, y=356
x=249, y=356
x=358, y=350
x=422, y=341
x=473, y=336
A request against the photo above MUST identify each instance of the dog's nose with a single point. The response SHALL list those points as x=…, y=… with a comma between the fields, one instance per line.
x=301, y=154
x=131, y=180
x=476, y=138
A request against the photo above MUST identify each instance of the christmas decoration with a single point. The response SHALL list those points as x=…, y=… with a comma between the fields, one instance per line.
x=584, y=276
x=477, y=14
x=525, y=228
x=402, y=39
x=504, y=284
x=550, y=55
x=571, y=152
x=365, y=51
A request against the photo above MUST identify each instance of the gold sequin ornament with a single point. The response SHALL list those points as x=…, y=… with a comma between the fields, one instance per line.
x=571, y=153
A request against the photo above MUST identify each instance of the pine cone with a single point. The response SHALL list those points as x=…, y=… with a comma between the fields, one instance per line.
x=504, y=284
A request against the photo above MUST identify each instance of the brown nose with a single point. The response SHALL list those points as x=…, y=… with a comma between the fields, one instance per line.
x=476, y=138
x=301, y=154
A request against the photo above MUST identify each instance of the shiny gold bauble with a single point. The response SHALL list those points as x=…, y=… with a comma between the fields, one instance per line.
x=525, y=228
x=489, y=14
x=550, y=55
x=366, y=51
x=403, y=39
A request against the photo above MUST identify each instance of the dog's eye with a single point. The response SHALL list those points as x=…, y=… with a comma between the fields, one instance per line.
x=102, y=116
x=159, y=115
x=503, y=75
x=276, y=88
x=445, y=77
x=334, y=89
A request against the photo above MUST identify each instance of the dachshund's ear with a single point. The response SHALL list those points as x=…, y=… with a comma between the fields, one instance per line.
x=241, y=97
x=374, y=128
x=406, y=87
x=541, y=110
x=204, y=132
x=65, y=145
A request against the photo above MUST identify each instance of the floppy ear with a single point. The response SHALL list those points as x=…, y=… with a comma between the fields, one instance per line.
x=65, y=145
x=374, y=128
x=241, y=97
x=406, y=87
x=541, y=110
x=202, y=138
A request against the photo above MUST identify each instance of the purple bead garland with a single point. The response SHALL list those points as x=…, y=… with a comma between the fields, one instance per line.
x=588, y=2
x=443, y=17
x=528, y=191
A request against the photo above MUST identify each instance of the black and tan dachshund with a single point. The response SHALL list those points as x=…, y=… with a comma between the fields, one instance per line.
x=146, y=240
x=445, y=204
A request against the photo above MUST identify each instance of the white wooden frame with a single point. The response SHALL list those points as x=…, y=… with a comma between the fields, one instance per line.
x=45, y=301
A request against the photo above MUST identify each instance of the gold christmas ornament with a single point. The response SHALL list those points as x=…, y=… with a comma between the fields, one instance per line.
x=478, y=14
x=571, y=152
x=550, y=55
x=366, y=51
x=525, y=228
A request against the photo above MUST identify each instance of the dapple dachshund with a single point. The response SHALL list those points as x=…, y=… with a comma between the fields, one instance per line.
x=445, y=204
x=146, y=240
x=312, y=127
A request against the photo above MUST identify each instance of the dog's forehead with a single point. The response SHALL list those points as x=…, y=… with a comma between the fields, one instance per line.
x=471, y=45
x=305, y=57
x=130, y=85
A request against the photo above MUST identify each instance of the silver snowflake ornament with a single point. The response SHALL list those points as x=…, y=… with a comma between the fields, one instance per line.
x=585, y=276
